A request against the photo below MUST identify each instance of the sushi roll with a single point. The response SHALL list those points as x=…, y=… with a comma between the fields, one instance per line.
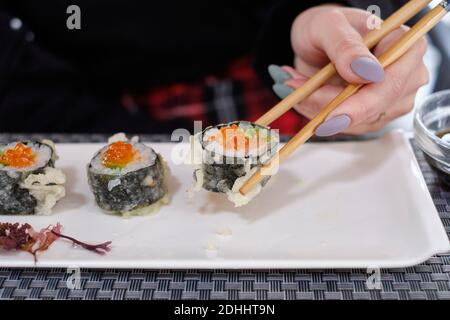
x=226, y=155
x=29, y=183
x=128, y=178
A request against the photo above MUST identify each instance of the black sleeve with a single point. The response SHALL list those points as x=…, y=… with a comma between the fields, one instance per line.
x=274, y=44
x=40, y=92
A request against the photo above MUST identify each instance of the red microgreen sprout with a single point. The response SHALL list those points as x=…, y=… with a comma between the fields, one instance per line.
x=101, y=248
x=15, y=236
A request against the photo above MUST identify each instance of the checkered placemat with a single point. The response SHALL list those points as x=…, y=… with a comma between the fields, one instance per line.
x=429, y=280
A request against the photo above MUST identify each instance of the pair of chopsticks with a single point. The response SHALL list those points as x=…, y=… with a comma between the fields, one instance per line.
x=390, y=56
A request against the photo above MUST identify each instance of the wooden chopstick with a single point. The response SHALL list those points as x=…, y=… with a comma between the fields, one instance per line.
x=409, y=10
x=387, y=58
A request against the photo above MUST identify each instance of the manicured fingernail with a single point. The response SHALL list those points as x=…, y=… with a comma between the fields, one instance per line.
x=368, y=69
x=278, y=74
x=282, y=90
x=333, y=126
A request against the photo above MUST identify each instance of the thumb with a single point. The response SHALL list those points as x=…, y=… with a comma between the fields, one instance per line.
x=345, y=48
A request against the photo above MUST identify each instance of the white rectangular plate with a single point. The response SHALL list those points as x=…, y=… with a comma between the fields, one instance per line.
x=332, y=205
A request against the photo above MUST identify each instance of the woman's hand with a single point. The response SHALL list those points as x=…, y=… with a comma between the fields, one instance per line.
x=334, y=33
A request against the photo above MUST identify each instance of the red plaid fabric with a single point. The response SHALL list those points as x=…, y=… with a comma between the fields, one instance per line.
x=235, y=94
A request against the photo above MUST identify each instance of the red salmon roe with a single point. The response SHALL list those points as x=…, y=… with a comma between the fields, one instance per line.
x=119, y=154
x=18, y=157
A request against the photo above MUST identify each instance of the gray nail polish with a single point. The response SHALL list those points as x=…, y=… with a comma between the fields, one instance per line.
x=278, y=74
x=368, y=69
x=282, y=90
x=333, y=126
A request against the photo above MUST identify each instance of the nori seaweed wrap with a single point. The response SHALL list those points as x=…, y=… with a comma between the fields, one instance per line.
x=29, y=183
x=128, y=178
x=232, y=152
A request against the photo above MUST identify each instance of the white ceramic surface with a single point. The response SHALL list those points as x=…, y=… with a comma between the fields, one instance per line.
x=332, y=205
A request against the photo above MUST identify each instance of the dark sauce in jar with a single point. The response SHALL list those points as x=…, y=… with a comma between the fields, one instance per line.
x=443, y=175
x=442, y=133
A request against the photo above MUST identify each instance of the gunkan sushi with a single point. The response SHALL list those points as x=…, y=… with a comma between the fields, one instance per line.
x=128, y=178
x=226, y=155
x=29, y=183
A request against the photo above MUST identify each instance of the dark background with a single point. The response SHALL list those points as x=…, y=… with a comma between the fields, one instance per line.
x=60, y=80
